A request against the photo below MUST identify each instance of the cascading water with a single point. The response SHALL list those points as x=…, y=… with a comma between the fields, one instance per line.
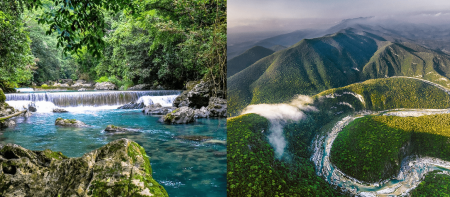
x=165, y=101
x=47, y=101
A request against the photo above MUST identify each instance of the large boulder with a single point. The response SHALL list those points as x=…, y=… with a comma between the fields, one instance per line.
x=202, y=113
x=181, y=115
x=157, y=109
x=217, y=107
x=120, y=168
x=105, y=86
x=132, y=105
x=196, y=97
x=69, y=123
x=141, y=87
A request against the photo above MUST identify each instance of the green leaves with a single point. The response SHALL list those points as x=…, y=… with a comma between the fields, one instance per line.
x=16, y=59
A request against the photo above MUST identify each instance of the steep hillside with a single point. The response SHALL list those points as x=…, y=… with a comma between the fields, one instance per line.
x=246, y=59
x=283, y=39
x=349, y=56
x=277, y=48
x=308, y=67
x=408, y=59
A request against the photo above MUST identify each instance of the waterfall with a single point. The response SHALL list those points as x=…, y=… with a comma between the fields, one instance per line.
x=46, y=101
x=165, y=101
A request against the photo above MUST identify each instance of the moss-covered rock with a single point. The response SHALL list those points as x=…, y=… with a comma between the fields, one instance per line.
x=69, y=122
x=181, y=115
x=2, y=96
x=115, y=129
x=120, y=168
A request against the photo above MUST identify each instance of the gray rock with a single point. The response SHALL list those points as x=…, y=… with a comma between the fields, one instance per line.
x=202, y=113
x=217, y=107
x=120, y=167
x=105, y=86
x=59, y=110
x=26, y=114
x=181, y=115
x=141, y=87
x=157, y=109
x=196, y=98
x=64, y=85
x=132, y=105
x=32, y=107
x=7, y=123
x=81, y=89
x=115, y=129
x=66, y=81
x=69, y=123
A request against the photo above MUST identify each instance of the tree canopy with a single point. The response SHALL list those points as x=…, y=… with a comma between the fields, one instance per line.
x=128, y=42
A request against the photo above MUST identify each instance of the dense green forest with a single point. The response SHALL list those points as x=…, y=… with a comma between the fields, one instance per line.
x=163, y=43
x=253, y=168
x=386, y=93
x=371, y=148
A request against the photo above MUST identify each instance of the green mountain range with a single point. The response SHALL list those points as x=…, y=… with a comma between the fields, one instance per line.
x=246, y=59
x=346, y=57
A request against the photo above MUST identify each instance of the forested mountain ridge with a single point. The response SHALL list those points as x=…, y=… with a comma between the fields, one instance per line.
x=336, y=60
x=246, y=59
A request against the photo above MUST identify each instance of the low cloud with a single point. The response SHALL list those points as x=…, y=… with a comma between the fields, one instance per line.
x=279, y=115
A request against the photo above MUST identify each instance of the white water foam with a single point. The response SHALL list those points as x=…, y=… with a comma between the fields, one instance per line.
x=25, y=89
x=165, y=101
x=46, y=107
x=86, y=101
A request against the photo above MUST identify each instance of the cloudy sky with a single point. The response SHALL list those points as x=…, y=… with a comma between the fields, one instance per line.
x=303, y=14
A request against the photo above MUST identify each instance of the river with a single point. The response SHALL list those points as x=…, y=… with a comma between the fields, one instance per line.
x=183, y=167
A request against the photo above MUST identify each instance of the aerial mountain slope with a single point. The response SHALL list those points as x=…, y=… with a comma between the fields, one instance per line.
x=308, y=67
x=408, y=59
x=336, y=60
x=246, y=59
x=283, y=39
x=278, y=47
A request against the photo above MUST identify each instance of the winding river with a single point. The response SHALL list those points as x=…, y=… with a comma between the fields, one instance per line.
x=413, y=168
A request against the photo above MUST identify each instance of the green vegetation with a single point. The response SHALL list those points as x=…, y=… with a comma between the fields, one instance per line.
x=246, y=59
x=315, y=65
x=389, y=93
x=165, y=43
x=15, y=54
x=253, y=169
x=372, y=148
x=2, y=97
x=434, y=184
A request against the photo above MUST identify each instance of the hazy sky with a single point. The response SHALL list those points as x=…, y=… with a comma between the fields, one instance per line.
x=316, y=13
